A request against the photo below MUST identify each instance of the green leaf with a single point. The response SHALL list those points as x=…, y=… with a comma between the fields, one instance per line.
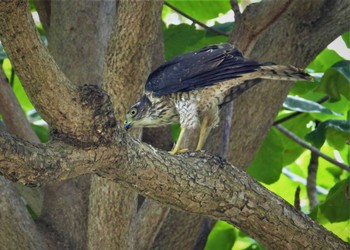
x=268, y=162
x=337, y=133
x=336, y=81
x=184, y=38
x=202, y=10
x=346, y=38
x=180, y=38
x=303, y=105
x=324, y=60
x=336, y=207
x=42, y=132
x=222, y=237
x=298, y=125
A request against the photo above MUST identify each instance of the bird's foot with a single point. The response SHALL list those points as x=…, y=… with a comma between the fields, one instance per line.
x=178, y=151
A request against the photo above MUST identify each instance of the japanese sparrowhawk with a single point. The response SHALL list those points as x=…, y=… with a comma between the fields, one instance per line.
x=190, y=88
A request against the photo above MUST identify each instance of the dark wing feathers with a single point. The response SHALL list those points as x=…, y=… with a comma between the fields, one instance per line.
x=199, y=69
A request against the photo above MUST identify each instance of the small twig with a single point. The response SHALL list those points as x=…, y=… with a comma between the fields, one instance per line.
x=297, y=199
x=195, y=21
x=294, y=114
x=235, y=8
x=311, y=180
x=311, y=148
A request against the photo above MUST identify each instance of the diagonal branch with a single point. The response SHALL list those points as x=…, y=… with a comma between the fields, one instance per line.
x=311, y=148
x=192, y=182
x=41, y=77
x=203, y=25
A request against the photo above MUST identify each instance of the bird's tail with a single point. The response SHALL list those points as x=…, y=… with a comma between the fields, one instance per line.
x=283, y=72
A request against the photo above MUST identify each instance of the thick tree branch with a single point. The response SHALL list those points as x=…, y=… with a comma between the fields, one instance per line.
x=193, y=182
x=43, y=79
x=146, y=226
x=138, y=21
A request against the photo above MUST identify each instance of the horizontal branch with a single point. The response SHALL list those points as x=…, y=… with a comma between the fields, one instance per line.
x=193, y=182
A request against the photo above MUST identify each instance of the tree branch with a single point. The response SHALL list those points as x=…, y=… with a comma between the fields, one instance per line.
x=203, y=25
x=193, y=182
x=140, y=21
x=42, y=78
x=311, y=148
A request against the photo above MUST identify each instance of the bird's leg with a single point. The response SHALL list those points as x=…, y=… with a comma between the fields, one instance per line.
x=177, y=149
x=203, y=133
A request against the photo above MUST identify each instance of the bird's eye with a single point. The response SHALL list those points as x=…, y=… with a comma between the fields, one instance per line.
x=133, y=112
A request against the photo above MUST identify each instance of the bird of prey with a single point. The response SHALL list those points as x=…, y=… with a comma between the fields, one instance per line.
x=190, y=88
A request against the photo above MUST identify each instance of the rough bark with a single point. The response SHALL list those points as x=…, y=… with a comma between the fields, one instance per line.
x=192, y=182
x=45, y=80
x=18, y=228
x=138, y=22
x=147, y=224
x=180, y=231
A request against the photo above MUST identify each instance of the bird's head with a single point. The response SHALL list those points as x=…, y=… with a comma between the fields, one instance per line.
x=139, y=114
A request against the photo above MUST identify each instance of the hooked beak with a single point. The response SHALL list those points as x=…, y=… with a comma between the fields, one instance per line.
x=127, y=125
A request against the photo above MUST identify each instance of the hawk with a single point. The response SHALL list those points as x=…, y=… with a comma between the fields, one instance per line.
x=190, y=88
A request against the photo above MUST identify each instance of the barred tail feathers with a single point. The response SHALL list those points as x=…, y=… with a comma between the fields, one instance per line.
x=283, y=72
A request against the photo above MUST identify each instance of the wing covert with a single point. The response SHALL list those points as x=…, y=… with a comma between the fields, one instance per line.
x=199, y=69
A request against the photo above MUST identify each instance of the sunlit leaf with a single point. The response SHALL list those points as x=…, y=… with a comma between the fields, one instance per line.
x=184, y=38
x=303, y=105
x=202, y=10
x=268, y=162
x=42, y=132
x=329, y=129
x=346, y=38
x=337, y=204
x=325, y=60
x=298, y=125
x=222, y=236
x=336, y=81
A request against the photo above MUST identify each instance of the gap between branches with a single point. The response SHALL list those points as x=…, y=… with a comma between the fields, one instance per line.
x=203, y=25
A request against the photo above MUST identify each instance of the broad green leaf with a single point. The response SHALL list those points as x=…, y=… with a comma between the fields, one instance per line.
x=337, y=133
x=303, y=87
x=285, y=187
x=303, y=105
x=342, y=229
x=324, y=60
x=346, y=38
x=222, y=236
x=202, y=10
x=179, y=38
x=298, y=125
x=337, y=204
x=336, y=81
x=184, y=38
x=341, y=106
x=21, y=95
x=268, y=162
x=42, y=132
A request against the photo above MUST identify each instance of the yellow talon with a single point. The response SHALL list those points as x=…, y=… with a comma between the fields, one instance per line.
x=177, y=149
